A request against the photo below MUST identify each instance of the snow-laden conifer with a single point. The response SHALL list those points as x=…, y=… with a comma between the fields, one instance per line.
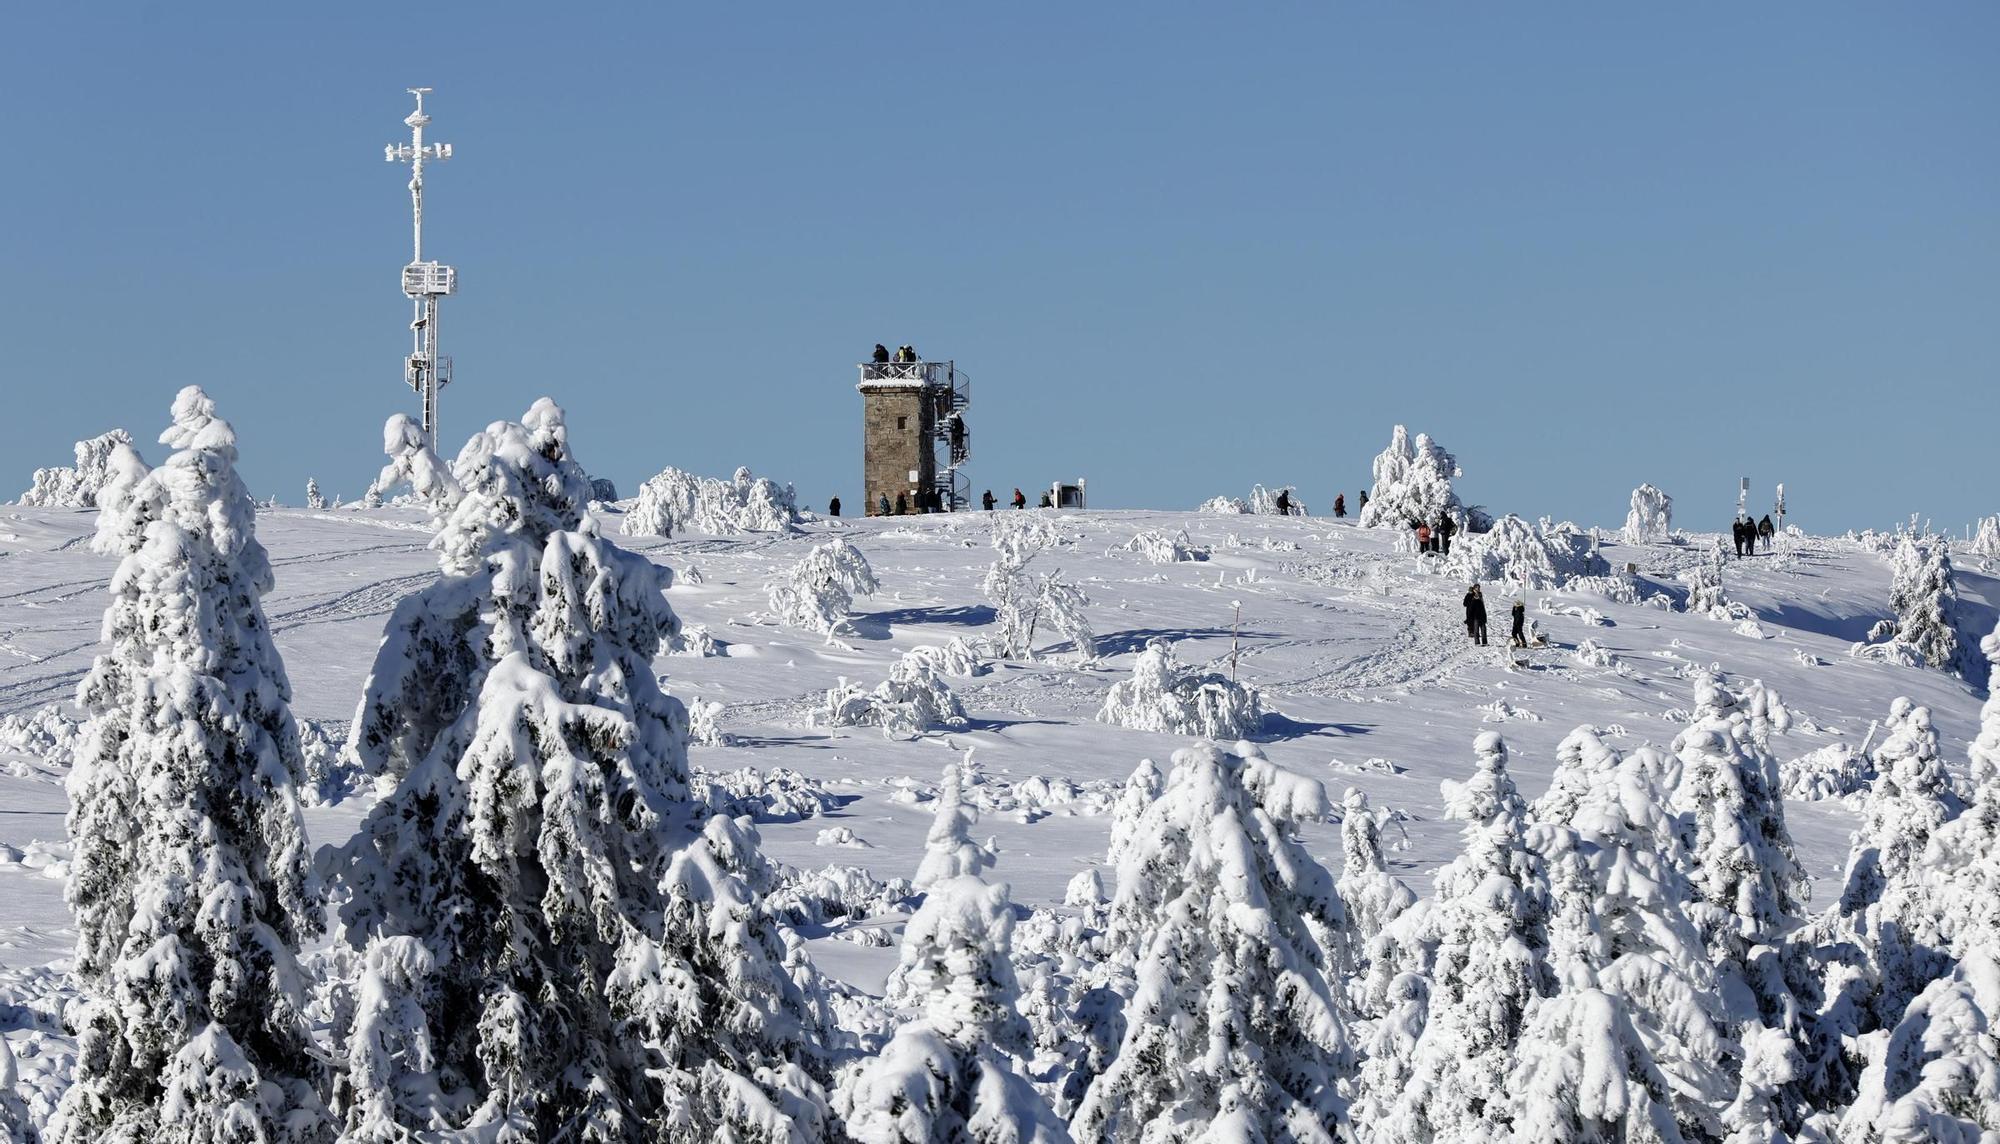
x=1166, y=695
x=953, y=1072
x=77, y=487
x=1935, y=1077
x=949, y=851
x=1236, y=1028
x=817, y=594
x=315, y=499
x=1141, y=787
x=1523, y=555
x=15, y=1125
x=1651, y=519
x=914, y=699
x=1635, y=1044
x=1704, y=585
x=190, y=877
x=412, y=463
x=1158, y=547
x=1373, y=896
x=1482, y=943
x=599, y=969
x=1412, y=484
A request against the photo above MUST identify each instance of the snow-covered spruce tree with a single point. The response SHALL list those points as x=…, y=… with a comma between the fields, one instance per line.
x=817, y=594
x=412, y=463
x=1926, y=600
x=1236, y=1029
x=1704, y=585
x=1635, y=1044
x=949, y=851
x=1936, y=1075
x=1163, y=694
x=1651, y=519
x=1518, y=554
x=1582, y=764
x=1986, y=541
x=597, y=972
x=64, y=487
x=1373, y=896
x=1412, y=484
x=1158, y=547
x=1482, y=943
x=15, y=1127
x=1141, y=788
x=191, y=905
x=315, y=499
x=954, y=1073
x=1023, y=599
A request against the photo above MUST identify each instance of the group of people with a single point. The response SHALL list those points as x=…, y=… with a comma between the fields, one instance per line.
x=929, y=500
x=1749, y=534
x=1475, y=619
x=1340, y=504
x=1434, y=537
x=904, y=355
x=1018, y=500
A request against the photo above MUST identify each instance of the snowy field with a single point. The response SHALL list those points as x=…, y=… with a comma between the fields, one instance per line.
x=1356, y=644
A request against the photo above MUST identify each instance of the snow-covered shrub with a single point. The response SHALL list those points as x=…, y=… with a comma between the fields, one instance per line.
x=539, y=835
x=1412, y=484
x=1161, y=548
x=413, y=463
x=827, y=895
x=1481, y=942
x=1373, y=896
x=1223, y=506
x=1228, y=930
x=1651, y=519
x=778, y=795
x=1141, y=788
x=1833, y=771
x=315, y=499
x=1517, y=553
x=694, y=642
x=818, y=593
x=675, y=502
x=1023, y=598
x=190, y=877
x=1165, y=695
x=1590, y=653
x=705, y=724
x=15, y=1125
x=1986, y=541
x=77, y=487
x=914, y=699
x=329, y=775
x=51, y=733
x=1704, y=585
x=954, y=657
x=954, y=1072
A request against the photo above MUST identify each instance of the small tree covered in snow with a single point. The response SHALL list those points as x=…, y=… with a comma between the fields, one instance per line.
x=1412, y=484
x=1482, y=942
x=1373, y=896
x=676, y=502
x=1141, y=788
x=953, y=1073
x=1236, y=1028
x=315, y=499
x=1634, y=1044
x=949, y=851
x=413, y=463
x=914, y=699
x=818, y=593
x=1023, y=599
x=1165, y=695
x=77, y=487
x=1936, y=1075
x=1651, y=519
x=599, y=968
x=1704, y=585
x=1986, y=541
x=1520, y=554
x=15, y=1126
x=190, y=879
x=1924, y=594
x=1159, y=547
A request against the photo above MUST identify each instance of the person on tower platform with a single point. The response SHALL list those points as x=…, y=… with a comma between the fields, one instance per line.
x=881, y=354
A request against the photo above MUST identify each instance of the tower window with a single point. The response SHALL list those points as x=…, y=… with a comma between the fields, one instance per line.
x=902, y=423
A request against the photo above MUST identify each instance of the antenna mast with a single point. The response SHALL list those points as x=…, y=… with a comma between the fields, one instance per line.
x=423, y=282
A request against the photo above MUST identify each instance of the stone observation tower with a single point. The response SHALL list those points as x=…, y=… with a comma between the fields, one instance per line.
x=913, y=433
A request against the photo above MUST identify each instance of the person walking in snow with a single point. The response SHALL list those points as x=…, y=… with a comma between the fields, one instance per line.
x=987, y=500
x=1445, y=527
x=1362, y=506
x=1423, y=538
x=882, y=504
x=902, y=505
x=1519, y=611
x=1475, y=615
x=1736, y=534
x=1766, y=530
x=1019, y=500
x=833, y=507
x=1284, y=502
x=1340, y=506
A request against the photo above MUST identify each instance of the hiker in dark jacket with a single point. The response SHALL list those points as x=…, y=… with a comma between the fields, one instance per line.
x=881, y=354
x=882, y=504
x=1340, y=506
x=1046, y=502
x=1445, y=527
x=1766, y=530
x=1520, y=614
x=987, y=500
x=902, y=505
x=1475, y=615
x=1736, y=534
x=833, y=507
x=1019, y=500
x=1362, y=505
x=1284, y=504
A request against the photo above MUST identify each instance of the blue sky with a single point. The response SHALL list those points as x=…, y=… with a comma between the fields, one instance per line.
x=1180, y=248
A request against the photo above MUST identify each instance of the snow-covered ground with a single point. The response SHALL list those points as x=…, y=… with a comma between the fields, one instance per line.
x=1356, y=645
